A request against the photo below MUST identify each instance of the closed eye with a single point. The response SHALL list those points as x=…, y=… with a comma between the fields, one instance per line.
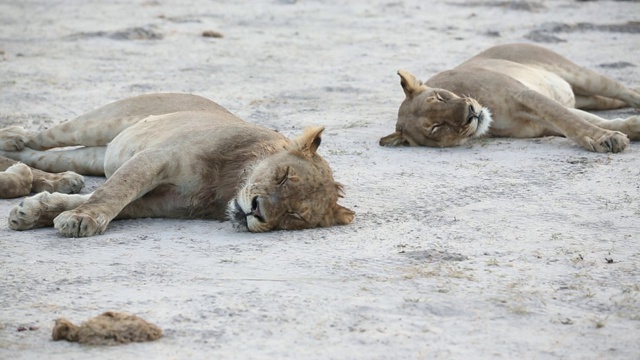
x=297, y=216
x=435, y=128
x=284, y=179
x=438, y=96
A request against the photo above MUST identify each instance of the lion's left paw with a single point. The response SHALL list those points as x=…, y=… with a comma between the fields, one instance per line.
x=74, y=223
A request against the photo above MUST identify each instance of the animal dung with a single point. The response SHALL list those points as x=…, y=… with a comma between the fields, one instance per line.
x=212, y=33
x=109, y=328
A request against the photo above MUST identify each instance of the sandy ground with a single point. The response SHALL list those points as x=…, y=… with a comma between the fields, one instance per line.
x=494, y=250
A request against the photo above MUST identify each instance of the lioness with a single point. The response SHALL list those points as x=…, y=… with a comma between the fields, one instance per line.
x=177, y=156
x=515, y=90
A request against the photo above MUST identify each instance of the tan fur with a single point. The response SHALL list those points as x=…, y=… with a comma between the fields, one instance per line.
x=109, y=328
x=19, y=180
x=515, y=90
x=179, y=156
x=15, y=181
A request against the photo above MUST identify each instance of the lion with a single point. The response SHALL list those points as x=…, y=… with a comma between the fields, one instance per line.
x=177, y=156
x=515, y=90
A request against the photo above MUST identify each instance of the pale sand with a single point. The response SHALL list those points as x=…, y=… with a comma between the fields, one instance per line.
x=495, y=250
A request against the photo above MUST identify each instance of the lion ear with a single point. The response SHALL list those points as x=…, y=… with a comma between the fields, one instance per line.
x=409, y=82
x=309, y=141
x=339, y=215
x=395, y=139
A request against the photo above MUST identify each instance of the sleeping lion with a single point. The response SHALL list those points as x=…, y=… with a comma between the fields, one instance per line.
x=174, y=156
x=516, y=90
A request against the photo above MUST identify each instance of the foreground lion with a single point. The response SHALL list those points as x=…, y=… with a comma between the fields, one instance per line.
x=177, y=156
x=514, y=90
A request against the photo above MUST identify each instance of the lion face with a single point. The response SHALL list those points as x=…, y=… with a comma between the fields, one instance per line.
x=290, y=190
x=435, y=117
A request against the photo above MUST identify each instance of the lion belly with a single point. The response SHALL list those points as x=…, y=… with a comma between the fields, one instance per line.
x=535, y=78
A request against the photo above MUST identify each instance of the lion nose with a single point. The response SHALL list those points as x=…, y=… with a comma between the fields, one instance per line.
x=255, y=210
x=472, y=111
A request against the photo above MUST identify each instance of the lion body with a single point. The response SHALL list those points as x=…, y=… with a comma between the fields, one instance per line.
x=522, y=91
x=178, y=156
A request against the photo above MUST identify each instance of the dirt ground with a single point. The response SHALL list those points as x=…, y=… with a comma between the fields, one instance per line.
x=504, y=248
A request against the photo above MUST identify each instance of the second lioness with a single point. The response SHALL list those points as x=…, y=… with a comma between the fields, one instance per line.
x=178, y=156
x=515, y=90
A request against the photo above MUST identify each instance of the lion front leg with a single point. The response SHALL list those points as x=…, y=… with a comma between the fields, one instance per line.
x=39, y=210
x=138, y=176
x=563, y=121
x=629, y=126
x=82, y=223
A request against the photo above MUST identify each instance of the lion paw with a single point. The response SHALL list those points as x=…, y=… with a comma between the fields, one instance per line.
x=632, y=125
x=67, y=182
x=612, y=141
x=74, y=223
x=13, y=138
x=27, y=214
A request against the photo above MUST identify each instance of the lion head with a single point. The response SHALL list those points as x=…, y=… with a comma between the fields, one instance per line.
x=290, y=190
x=435, y=117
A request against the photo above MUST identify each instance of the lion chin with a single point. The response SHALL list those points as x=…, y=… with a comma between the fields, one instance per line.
x=484, y=122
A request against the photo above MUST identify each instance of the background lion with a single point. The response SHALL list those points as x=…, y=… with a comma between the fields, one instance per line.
x=516, y=90
x=178, y=156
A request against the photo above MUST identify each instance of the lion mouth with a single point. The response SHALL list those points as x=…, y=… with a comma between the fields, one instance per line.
x=240, y=218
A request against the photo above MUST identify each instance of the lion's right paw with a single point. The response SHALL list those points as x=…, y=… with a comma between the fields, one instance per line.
x=611, y=141
x=28, y=214
x=13, y=138
x=74, y=223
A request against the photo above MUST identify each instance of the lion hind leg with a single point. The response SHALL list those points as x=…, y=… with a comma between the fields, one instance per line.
x=13, y=138
x=596, y=102
x=40, y=210
x=595, y=88
x=92, y=129
x=19, y=180
x=84, y=160
x=100, y=126
x=67, y=182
